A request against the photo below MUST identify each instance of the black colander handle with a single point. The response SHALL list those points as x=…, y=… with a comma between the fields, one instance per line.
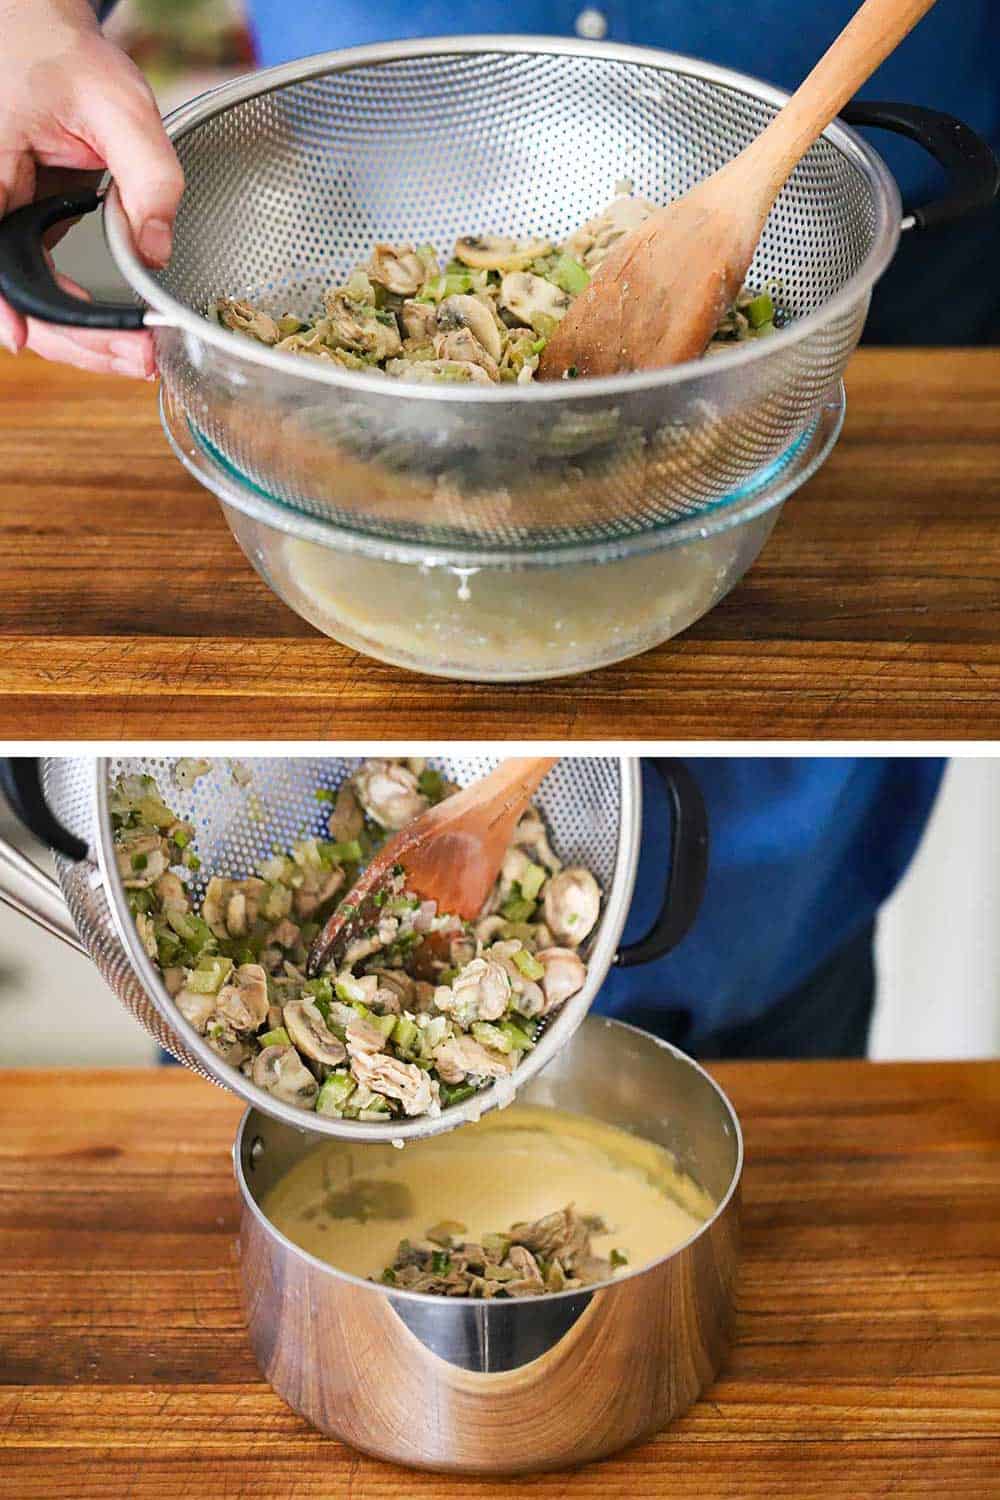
x=27, y=280
x=21, y=784
x=969, y=160
x=688, y=867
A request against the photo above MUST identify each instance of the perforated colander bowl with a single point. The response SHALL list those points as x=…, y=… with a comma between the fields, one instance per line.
x=293, y=173
x=590, y=803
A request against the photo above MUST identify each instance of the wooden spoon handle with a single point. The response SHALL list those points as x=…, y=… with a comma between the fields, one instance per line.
x=865, y=42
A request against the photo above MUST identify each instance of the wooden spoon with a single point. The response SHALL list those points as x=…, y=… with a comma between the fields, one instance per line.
x=451, y=854
x=659, y=295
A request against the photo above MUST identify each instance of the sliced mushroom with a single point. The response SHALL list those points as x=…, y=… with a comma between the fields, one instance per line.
x=242, y=1000
x=531, y=834
x=389, y=793
x=347, y=820
x=285, y=935
x=591, y=243
x=463, y=347
x=242, y=318
x=489, y=928
x=477, y=316
x=310, y=1033
x=398, y=982
x=147, y=932
x=526, y=297
x=497, y=252
x=281, y=1071
x=398, y=268
x=419, y=320
x=572, y=904
x=515, y=865
x=565, y=975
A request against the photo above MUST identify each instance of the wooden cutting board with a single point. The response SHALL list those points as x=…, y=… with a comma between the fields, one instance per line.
x=127, y=610
x=867, y=1360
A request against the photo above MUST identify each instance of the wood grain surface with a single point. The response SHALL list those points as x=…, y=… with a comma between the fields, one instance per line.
x=126, y=609
x=867, y=1360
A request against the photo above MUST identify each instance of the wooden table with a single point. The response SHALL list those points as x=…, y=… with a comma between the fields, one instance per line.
x=867, y=1360
x=127, y=610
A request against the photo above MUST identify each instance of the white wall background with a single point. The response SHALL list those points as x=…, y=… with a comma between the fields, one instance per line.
x=938, y=951
x=939, y=936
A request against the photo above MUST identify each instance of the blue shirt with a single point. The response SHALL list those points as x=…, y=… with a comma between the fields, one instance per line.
x=948, y=62
x=802, y=854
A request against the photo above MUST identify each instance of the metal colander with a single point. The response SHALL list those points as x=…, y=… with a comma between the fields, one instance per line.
x=293, y=173
x=591, y=805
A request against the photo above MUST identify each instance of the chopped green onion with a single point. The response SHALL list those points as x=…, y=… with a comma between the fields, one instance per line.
x=431, y=784
x=618, y=1258
x=456, y=1093
x=440, y=1262
x=140, y=861
x=348, y=853
x=324, y=794
x=491, y=1036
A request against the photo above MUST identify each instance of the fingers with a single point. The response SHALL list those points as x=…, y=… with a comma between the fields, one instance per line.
x=126, y=130
x=17, y=186
x=103, y=351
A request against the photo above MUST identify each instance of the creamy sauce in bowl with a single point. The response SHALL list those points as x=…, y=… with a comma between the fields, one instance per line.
x=351, y=1205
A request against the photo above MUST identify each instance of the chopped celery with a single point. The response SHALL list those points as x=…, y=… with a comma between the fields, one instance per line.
x=191, y=860
x=181, y=838
x=515, y=1039
x=388, y=1275
x=532, y=881
x=517, y=908
x=196, y=933
x=433, y=1033
x=491, y=1036
x=569, y=276
x=385, y=1024
x=319, y=989
x=528, y=964
x=152, y=811
x=324, y=794
x=210, y=975
x=760, y=310
x=431, y=784
x=349, y=989
x=277, y=1038
x=456, y=1093
x=764, y=330
x=543, y=326
x=334, y=1093
x=348, y=853
x=405, y=1034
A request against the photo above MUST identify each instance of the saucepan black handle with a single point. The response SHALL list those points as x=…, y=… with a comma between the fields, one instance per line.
x=21, y=783
x=969, y=160
x=688, y=867
x=27, y=280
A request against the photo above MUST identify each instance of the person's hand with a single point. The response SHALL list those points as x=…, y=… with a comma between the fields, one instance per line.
x=72, y=102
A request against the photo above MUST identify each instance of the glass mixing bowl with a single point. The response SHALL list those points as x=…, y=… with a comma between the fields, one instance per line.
x=513, y=614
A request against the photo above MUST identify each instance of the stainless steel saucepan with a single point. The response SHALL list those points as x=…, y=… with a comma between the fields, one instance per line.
x=506, y=1387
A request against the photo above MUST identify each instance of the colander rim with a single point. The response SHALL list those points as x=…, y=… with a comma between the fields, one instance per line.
x=615, y=909
x=171, y=313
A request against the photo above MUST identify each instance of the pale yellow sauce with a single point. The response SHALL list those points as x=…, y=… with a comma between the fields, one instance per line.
x=351, y=1205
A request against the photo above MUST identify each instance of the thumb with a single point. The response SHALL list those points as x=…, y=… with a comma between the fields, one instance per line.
x=129, y=135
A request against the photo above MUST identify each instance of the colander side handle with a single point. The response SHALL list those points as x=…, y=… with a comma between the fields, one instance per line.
x=969, y=160
x=27, y=280
x=688, y=867
x=23, y=886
